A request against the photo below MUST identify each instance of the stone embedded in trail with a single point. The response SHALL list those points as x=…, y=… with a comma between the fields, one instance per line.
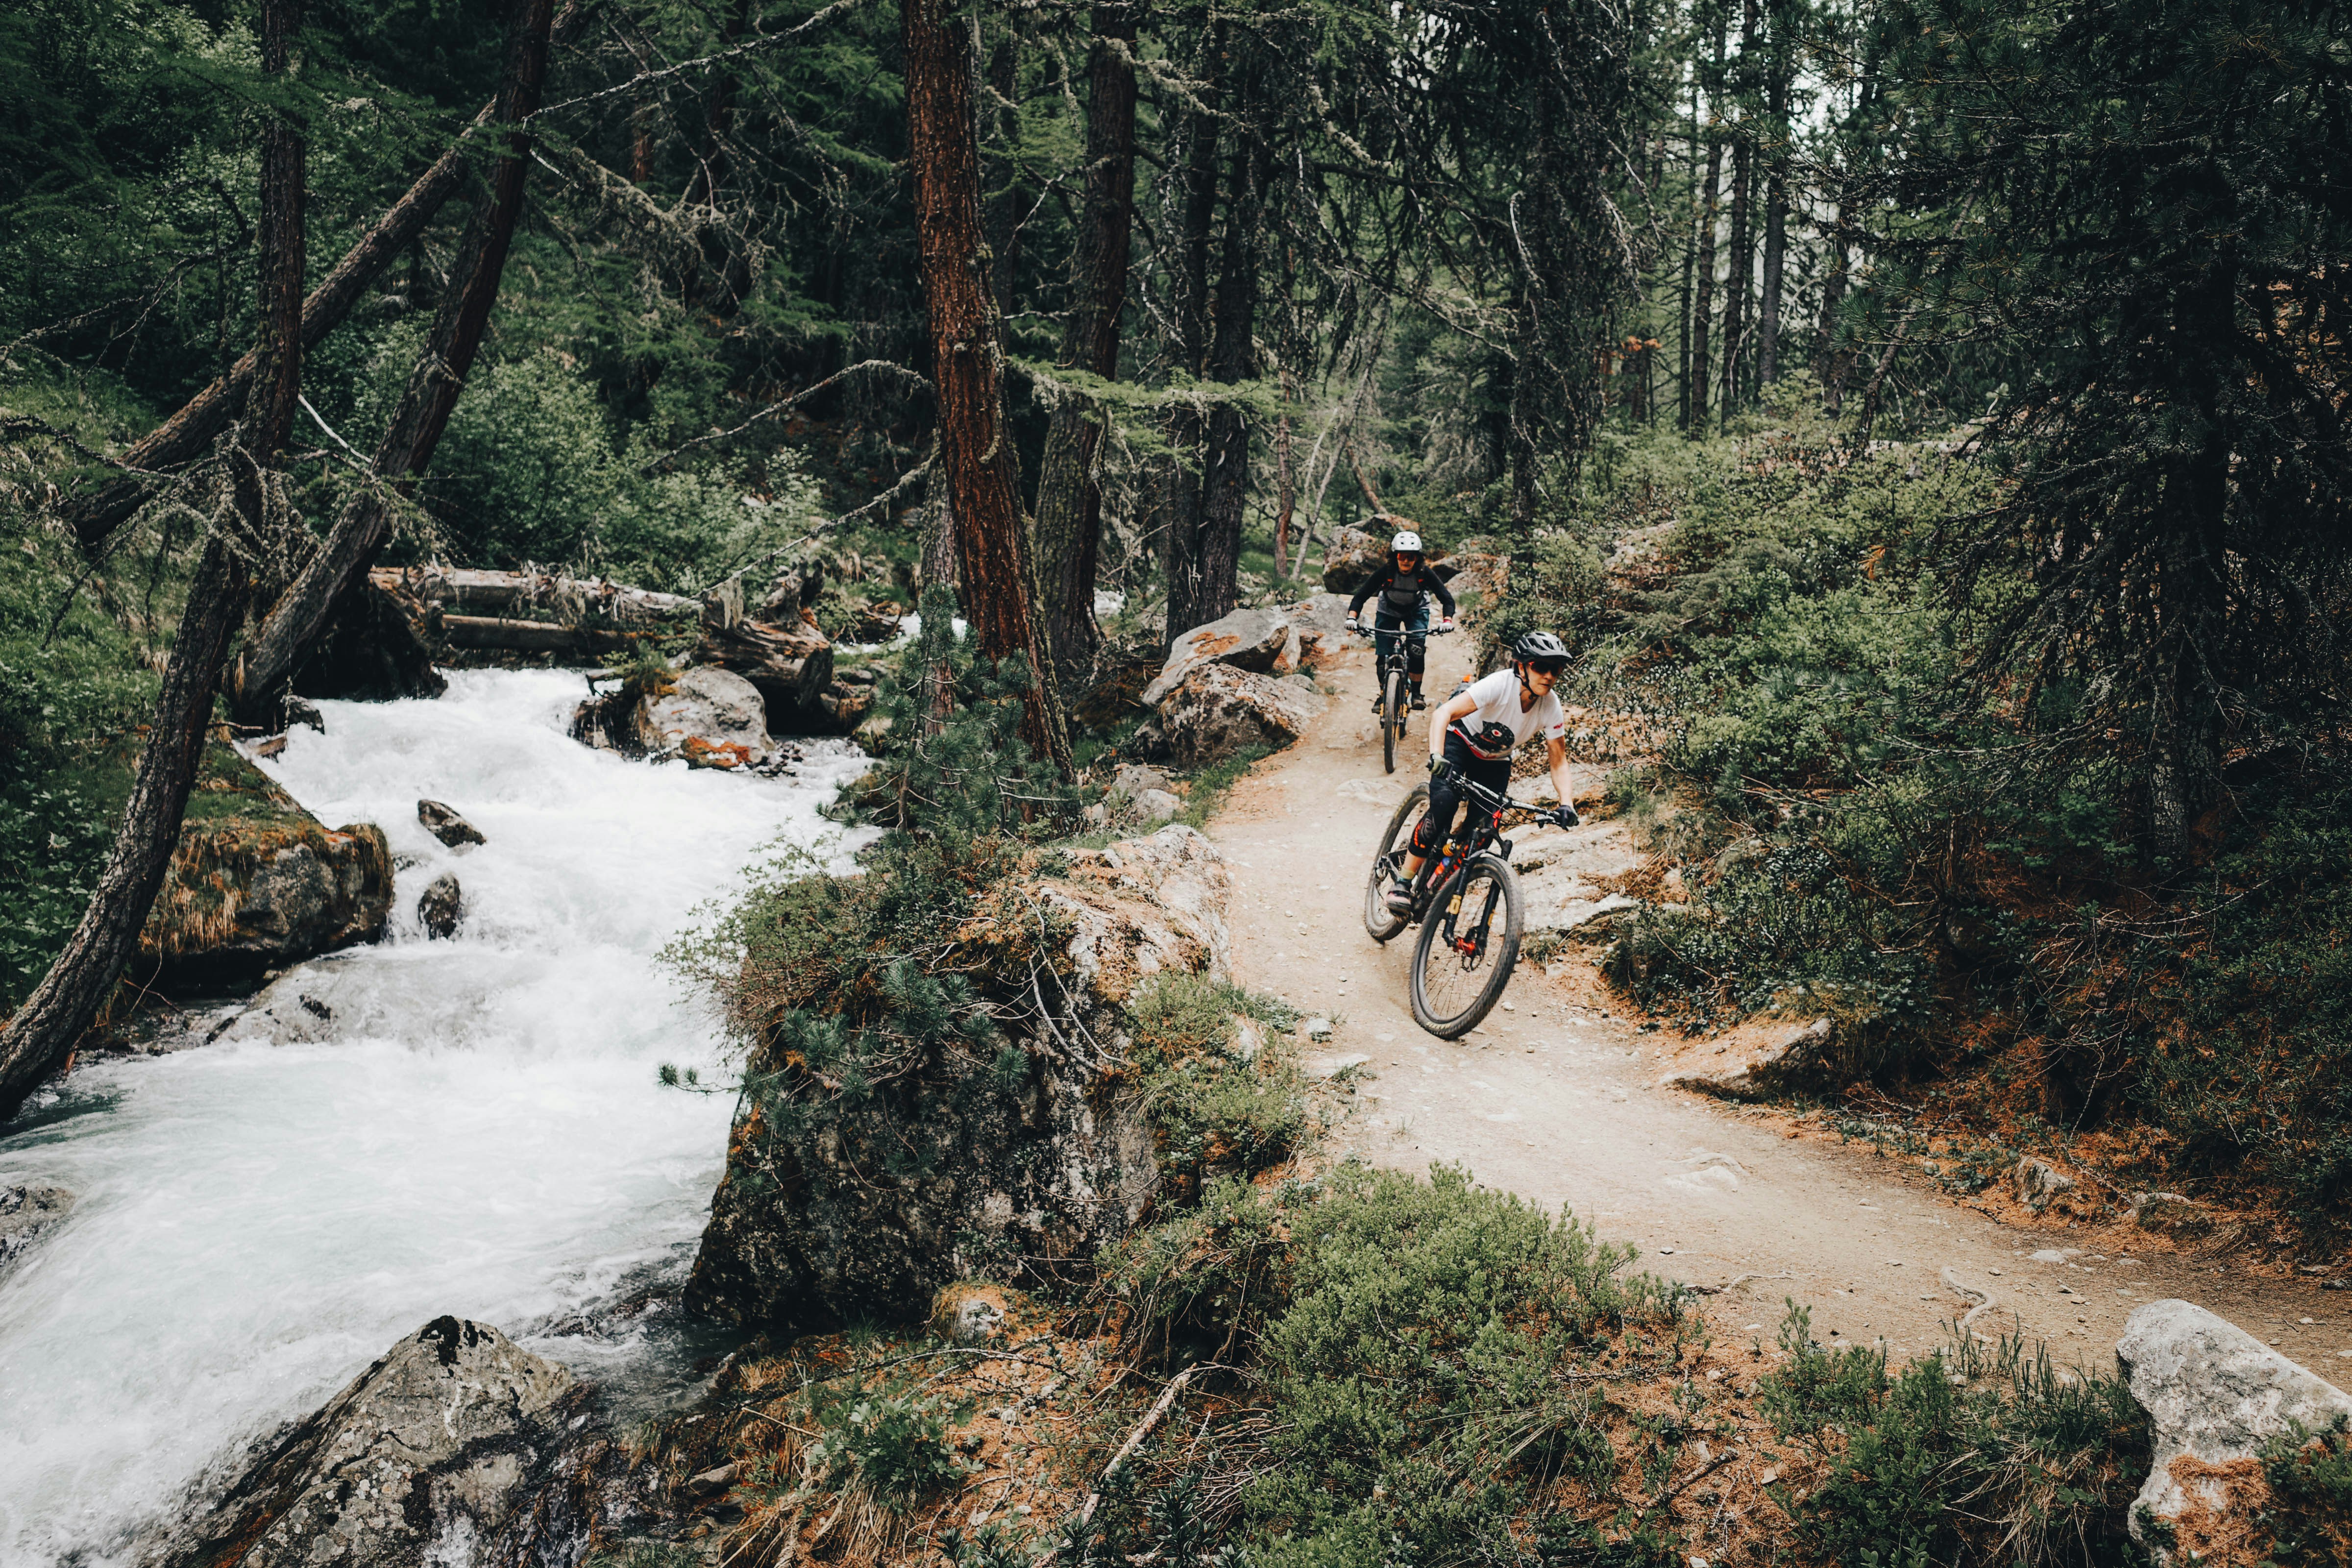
x=1156, y=805
x=1217, y=710
x=809, y=1230
x=2037, y=1182
x=441, y=906
x=422, y=1460
x=444, y=823
x=2171, y=1212
x=1753, y=1075
x=27, y=1213
x=2216, y=1395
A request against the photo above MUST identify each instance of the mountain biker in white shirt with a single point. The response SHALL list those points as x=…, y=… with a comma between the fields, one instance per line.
x=1473, y=737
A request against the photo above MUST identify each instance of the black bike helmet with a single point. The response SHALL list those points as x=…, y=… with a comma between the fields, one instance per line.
x=1539, y=647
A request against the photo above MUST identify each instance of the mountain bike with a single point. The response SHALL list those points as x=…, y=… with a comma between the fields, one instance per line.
x=1466, y=902
x=1396, y=692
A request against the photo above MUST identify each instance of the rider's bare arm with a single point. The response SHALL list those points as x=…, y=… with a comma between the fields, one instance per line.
x=1556, y=757
x=1462, y=707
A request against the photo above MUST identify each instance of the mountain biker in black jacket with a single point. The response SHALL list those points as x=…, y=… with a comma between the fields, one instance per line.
x=1402, y=583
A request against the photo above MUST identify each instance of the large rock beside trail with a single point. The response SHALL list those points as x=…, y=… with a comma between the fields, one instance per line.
x=2216, y=1395
x=857, y=1219
x=1474, y=573
x=426, y=1459
x=1758, y=1068
x=1217, y=710
x=1354, y=559
x=1276, y=639
x=257, y=883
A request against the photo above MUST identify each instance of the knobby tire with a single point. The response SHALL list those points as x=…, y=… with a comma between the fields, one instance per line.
x=1490, y=890
x=1379, y=924
x=1392, y=719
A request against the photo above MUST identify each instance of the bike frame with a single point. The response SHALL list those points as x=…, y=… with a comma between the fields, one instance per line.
x=1481, y=833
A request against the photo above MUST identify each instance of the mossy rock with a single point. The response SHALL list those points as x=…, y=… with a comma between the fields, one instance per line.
x=257, y=883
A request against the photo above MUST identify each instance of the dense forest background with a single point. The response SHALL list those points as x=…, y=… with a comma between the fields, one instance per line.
x=1924, y=417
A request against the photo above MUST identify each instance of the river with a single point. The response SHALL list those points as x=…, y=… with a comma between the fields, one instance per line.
x=477, y=1129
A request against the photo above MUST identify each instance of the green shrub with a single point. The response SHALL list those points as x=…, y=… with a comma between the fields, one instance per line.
x=1415, y=1375
x=2310, y=1477
x=1983, y=1454
x=1214, y=1108
x=892, y=1441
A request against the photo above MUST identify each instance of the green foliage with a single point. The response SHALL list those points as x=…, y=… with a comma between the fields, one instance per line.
x=1215, y=1109
x=964, y=769
x=892, y=1441
x=68, y=705
x=2310, y=1478
x=1983, y=1453
x=1416, y=1372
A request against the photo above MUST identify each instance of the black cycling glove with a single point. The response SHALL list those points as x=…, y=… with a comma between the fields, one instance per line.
x=1565, y=816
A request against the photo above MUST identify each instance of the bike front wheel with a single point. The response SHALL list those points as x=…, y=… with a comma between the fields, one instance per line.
x=1392, y=719
x=1381, y=923
x=1469, y=943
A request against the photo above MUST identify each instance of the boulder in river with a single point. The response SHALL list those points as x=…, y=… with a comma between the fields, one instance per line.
x=441, y=906
x=1217, y=710
x=424, y=1459
x=26, y=1212
x=713, y=718
x=444, y=823
x=257, y=883
x=2216, y=1395
x=809, y=1230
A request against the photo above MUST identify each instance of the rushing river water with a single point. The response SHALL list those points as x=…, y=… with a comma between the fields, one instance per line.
x=477, y=1130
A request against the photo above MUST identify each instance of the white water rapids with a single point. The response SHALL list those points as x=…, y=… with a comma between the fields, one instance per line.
x=478, y=1130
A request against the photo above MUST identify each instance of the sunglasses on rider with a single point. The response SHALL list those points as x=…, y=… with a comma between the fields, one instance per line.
x=1549, y=665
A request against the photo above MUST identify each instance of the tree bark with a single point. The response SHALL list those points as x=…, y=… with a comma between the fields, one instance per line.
x=1286, y=486
x=188, y=434
x=274, y=654
x=1776, y=205
x=999, y=583
x=1232, y=359
x=1703, y=305
x=1184, y=471
x=1690, y=251
x=1831, y=359
x=1735, y=275
x=1069, y=501
x=43, y=1031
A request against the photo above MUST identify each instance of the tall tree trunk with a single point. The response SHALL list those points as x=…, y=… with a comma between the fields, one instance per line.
x=998, y=579
x=274, y=655
x=189, y=433
x=1184, y=470
x=937, y=550
x=1285, y=483
x=1069, y=501
x=1776, y=205
x=1735, y=282
x=1232, y=359
x=1682, y=325
x=1710, y=196
x=1830, y=359
x=43, y=1031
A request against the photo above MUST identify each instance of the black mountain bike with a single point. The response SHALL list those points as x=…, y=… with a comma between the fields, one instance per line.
x=1396, y=693
x=1466, y=902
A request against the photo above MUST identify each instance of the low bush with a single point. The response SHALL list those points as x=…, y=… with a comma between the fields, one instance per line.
x=1986, y=1454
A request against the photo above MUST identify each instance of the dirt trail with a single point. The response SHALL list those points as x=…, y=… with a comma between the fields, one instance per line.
x=1558, y=1099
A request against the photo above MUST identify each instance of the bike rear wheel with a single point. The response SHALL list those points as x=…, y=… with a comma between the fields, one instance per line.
x=1469, y=943
x=1392, y=719
x=1381, y=923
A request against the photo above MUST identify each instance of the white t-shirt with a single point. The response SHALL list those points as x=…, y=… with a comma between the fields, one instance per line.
x=1498, y=697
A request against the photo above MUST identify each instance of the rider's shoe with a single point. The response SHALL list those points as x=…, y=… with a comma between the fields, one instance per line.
x=1418, y=702
x=1376, y=702
x=1400, y=897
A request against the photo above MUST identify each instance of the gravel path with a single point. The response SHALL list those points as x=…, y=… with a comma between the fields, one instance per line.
x=1558, y=1099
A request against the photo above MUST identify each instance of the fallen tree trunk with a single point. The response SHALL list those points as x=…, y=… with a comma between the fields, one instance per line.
x=498, y=634
x=790, y=665
x=473, y=590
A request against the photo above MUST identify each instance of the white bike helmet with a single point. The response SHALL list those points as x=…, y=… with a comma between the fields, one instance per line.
x=1406, y=542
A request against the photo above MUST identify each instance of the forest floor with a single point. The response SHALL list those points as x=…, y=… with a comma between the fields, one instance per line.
x=1557, y=1098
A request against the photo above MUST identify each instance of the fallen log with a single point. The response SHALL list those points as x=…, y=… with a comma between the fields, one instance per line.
x=472, y=589
x=501, y=635
x=790, y=665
